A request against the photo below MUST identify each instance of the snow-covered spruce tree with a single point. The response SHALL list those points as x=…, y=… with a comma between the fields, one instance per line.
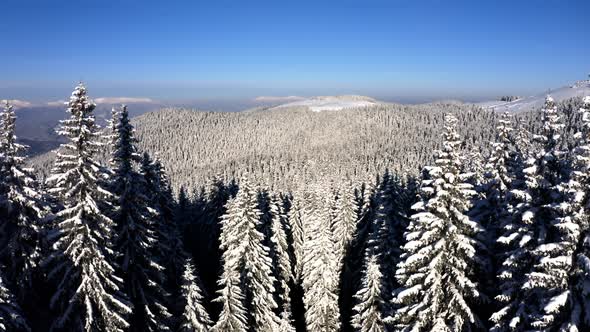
x=194, y=317
x=528, y=272
x=436, y=272
x=296, y=227
x=233, y=316
x=369, y=303
x=383, y=237
x=281, y=262
x=203, y=235
x=246, y=265
x=380, y=241
x=88, y=296
x=110, y=135
x=344, y=233
x=183, y=208
x=344, y=222
x=320, y=277
x=112, y=125
x=563, y=271
x=367, y=199
x=354, y=263
x=577, y=306
x=135, y=240
x=386, y=233
x=11, y=317
x=559, y=233
x=515, y=247
x=367, y=195
x=217, y=194
x=169, y=247
x=492, y=204
x=498, y=176
x=263, y=197
x=20, y=210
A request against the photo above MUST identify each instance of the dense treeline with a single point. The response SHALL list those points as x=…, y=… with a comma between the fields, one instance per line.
x=488, y=236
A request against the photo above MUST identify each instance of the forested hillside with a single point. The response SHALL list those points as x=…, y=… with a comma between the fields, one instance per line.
x=438, y=217
x=279, y=147
x=282, y=146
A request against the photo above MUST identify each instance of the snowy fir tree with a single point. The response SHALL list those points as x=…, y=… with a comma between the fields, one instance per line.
x=281, y=262
x=11, y=317
x=492, y=206
x=514, y=245
x=534, y=262
x=368, y=309
x=367, y=195
x=559, y=232
x=320, y=264
x=135, y=220
x=169, y=246
x=110, y=134
x=389, y=220
x=263, y=197
x=246, y=265
x=378, y=242
x=438, y=290
x=344, y=222
x=500, y=170
x=88, y=295
x=183, y=207
x=194, y=316
x=21, y=209
x=577, y=305
x=562, y=272
x=204, y=232
x=351, y=267
x=295, y=220
x=233, y=316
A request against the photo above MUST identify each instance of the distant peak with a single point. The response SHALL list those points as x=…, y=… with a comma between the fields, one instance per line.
x=277, y=99
x=331, y=103
x=345, y=97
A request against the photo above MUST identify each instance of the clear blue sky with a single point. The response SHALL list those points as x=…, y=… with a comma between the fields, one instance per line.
x=196, y=49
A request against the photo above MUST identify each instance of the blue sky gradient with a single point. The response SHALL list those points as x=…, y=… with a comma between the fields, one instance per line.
x=210, y=49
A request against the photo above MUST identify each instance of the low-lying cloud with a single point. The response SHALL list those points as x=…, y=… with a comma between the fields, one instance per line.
x=277, y=99
x=123, y=100
x=56, y=103
x=16, y=103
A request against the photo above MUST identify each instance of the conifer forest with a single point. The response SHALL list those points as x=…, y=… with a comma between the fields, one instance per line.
x=295, y=166
x=441, y=217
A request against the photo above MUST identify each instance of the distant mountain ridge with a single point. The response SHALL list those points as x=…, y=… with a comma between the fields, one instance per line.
x=37, y=122
x=332, y=103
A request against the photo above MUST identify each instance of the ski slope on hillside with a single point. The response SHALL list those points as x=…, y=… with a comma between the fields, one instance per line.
x=578, y=89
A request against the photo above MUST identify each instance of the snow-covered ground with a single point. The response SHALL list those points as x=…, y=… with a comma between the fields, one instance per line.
x=331, y=103
x=578, y=89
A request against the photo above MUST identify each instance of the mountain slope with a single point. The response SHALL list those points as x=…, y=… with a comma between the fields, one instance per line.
x=285, y=146
x=578, y=89
x=289, y=145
